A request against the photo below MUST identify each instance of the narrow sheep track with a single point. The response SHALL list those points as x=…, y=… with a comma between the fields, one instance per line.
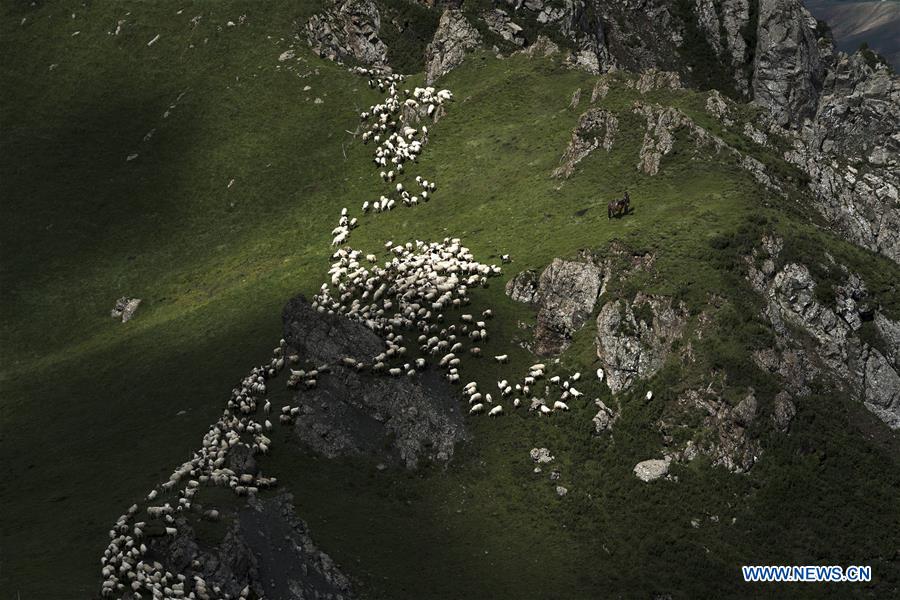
x=423, y=287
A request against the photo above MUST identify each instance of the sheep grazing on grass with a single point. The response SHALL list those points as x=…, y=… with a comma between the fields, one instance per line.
x=502, y=358
x=476, y=409
x=560, y=405
x=496, y=411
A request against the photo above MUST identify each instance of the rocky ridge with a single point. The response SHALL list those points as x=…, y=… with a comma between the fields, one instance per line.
x=834, y=347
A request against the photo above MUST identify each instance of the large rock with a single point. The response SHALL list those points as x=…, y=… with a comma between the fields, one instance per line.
x=565, y=295
x=635, y=338
x=351, y=412
x=455, y=37
x=787, y=70
x=348, y=30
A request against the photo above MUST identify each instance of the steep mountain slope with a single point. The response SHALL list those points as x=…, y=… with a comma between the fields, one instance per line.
x=862, y=22
x=725, y=281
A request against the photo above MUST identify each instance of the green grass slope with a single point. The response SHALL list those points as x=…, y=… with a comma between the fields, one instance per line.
x=89, y=415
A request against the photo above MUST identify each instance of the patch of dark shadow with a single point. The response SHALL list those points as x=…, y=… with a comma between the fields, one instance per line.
x=582, y=212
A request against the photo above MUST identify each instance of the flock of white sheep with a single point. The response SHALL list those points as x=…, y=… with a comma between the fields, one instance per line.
x=421, y=290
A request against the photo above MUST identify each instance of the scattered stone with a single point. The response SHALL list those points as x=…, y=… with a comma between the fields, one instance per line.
x=561, y=491
x=125, y=308
x=541, y=455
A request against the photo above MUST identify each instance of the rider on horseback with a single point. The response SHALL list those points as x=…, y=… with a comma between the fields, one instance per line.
x=618, y=207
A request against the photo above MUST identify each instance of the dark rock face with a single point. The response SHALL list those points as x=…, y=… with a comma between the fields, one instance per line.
x=455, y=37
x=869, y=374
x=324, y=339
x=856, y=123
x=787, y=69
x=266, y=549
x=565, y=294
x=399, y=419
x=348, y=30
x=725, y=436
x=631, y=346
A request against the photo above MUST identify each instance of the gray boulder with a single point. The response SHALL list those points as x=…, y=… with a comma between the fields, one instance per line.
x=651, y=470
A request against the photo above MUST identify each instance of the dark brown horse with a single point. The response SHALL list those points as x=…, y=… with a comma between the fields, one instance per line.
x=618, y=207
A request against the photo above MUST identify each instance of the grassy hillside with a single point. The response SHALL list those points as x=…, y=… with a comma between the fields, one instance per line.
x=91, y=411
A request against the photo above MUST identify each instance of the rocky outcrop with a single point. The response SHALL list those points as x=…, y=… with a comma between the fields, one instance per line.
x=654, y=79
x=724, y=436
x=635, y=338
x=869, y=374
x=787, y=69
x=455, y=37
x=596, y=128
x=542, y=47
x=723, y=24
x=352, y=412
x=347, y=30
x=565, y=295
x=851, y=153
x=266, y=548
x=659, y=139
x=783, y=411
x=524, y=287
x=499, y=22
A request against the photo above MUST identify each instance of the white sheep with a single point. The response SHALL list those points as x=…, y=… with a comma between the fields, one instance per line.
x=476, y=409
x=560, y=405
x=497, y=410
